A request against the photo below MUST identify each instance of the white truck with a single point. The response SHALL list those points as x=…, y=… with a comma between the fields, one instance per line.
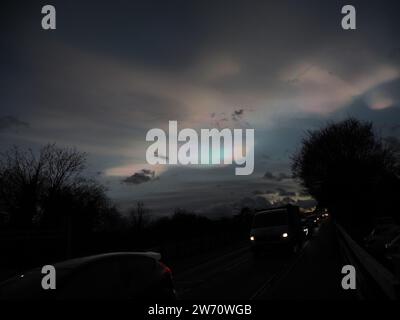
x=277, y=227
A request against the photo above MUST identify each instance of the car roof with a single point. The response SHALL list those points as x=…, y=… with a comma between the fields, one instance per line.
x=25, y=280
x=270, y=210
x=78, y=262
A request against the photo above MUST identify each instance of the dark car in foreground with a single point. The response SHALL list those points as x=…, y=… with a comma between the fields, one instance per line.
x=123, y=275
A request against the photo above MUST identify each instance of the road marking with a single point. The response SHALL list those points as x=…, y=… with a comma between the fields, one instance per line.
x=280, y=274
x=210, y=262
x=261, y=289
x=238, y=263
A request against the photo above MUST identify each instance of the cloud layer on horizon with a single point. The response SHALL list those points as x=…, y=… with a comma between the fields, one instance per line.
x=109, y=74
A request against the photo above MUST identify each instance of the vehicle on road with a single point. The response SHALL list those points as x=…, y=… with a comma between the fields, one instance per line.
x=123, y=275
x=277, y=227
x=308, y=226
x=311, y=222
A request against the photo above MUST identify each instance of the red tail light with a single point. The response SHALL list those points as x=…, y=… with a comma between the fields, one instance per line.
x=166, y=269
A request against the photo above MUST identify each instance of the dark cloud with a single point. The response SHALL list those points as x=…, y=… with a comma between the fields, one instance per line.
x=229, y=208
x=287, y=200
x=269, y=175
x=137, y=65
x=306, y=204
x=218, y=210
x=10, y=122
x=142, y=176
x=238, y=118
x=303, y=194
x=394, y=128
x=392, y=142
x=278, y=177
x=256, y=202
x=237, y=113
x=285, y=193
x=283, y=176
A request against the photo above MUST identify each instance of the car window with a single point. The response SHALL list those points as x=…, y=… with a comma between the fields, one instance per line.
x=98, y=280
x=270, y=219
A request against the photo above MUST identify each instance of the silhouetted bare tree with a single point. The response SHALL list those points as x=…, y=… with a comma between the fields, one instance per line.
x=49, y=188
x=349, y=170
x=138, y=217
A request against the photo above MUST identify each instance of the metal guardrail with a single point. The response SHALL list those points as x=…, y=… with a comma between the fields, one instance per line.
x=373, y=279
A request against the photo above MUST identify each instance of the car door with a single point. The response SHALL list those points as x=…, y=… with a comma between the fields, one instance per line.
x=97, y=280
x=139, y=276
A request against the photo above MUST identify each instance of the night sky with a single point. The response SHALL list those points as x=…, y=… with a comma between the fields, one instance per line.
x=112, y=70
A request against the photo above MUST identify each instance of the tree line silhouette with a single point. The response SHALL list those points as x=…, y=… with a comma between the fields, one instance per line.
x=349, y=169
x=49, y=190
x=49, y=209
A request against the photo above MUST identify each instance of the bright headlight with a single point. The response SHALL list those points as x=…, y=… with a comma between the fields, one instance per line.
x=284, y=235
x=252, y=238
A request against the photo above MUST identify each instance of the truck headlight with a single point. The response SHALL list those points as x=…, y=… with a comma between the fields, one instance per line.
x=284, y=235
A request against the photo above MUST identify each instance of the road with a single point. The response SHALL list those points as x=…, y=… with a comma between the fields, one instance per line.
x=235, y=274
x=314, y=272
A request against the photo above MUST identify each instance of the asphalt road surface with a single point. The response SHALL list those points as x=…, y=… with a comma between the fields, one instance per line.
x=314, y=272
x=235, y=274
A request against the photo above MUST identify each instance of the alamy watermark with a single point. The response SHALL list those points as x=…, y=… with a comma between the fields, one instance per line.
x=213, y=147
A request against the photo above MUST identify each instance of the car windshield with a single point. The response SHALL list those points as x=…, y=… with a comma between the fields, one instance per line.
x=268, y=219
